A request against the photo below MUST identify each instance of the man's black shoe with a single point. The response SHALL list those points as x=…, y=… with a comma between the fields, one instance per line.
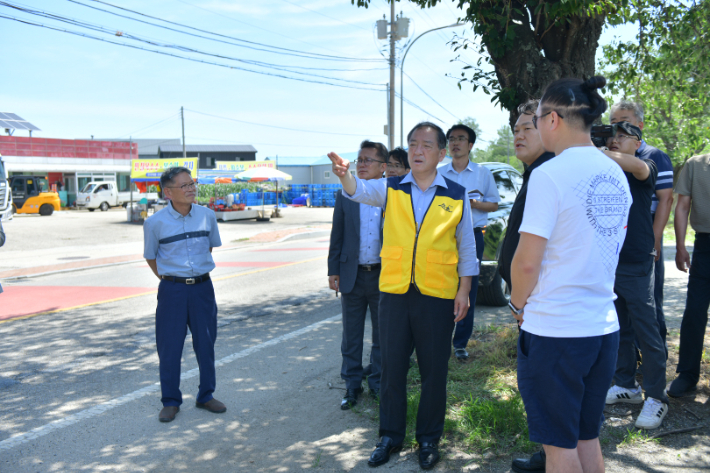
x=375, y=393
x=428, y=455
x=535, y=464
x=382, y=452
x=682, y=386
x=350, y=398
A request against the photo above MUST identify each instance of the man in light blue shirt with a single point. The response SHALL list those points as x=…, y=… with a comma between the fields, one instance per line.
x=178, y=242
x=483, y=196
x=354, y=270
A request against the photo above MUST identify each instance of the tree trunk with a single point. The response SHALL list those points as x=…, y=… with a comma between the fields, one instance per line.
x=539, y=58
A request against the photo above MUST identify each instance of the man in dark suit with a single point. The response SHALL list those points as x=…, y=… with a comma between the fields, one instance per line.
x=354, y=270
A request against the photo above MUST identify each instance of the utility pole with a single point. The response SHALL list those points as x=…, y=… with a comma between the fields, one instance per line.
x=390, y=119
x=182, y=118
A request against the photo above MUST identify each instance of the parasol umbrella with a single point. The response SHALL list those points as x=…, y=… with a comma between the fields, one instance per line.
x=262, y=175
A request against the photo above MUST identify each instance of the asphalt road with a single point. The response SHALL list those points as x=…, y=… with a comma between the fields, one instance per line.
x=79, y=370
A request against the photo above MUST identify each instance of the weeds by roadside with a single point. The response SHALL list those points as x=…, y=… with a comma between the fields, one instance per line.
x=486, y=419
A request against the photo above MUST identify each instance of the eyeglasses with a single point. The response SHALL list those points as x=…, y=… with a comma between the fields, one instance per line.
x=395, y=165
x=620, y=137
x=184, y=187
x=368, y=161
x=535, y=118
x=460, y=139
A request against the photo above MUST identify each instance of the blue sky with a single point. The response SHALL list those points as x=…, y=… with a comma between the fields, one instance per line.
x=73, y=87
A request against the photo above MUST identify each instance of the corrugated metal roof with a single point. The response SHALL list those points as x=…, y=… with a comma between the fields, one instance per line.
x=209, y=149
x=297, y=160
x=313, y=160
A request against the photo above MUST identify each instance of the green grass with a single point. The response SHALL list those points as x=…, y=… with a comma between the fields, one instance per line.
x=634, y=436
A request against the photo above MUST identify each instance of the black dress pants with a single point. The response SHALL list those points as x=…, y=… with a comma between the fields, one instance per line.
x=427, y=322
x=695, y=317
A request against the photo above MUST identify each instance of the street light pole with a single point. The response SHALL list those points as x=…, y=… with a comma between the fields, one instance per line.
x=401, y=80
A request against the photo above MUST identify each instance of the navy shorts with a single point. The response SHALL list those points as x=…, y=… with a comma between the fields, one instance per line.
x=563, y=383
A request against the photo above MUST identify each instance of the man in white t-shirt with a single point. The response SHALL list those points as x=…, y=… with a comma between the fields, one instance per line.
x=563, y=270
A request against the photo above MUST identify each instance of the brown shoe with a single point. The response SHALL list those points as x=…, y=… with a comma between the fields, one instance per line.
x=213, y=405
x=168, y=413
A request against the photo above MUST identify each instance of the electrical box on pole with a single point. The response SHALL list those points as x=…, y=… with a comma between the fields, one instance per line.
x=401, y=28
x=381, y=29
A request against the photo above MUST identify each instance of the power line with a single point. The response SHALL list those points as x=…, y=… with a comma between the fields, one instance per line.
x=275, y=126
x=84, y=35
x=187, y=49
x=150, y=126
x=432, y=98
x=406, y=100
x=312, y=55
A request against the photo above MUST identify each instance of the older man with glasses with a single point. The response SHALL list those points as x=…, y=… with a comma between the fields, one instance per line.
x=483, y=197
x=178, y=242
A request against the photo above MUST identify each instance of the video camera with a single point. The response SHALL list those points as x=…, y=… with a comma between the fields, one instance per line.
x=600, y=133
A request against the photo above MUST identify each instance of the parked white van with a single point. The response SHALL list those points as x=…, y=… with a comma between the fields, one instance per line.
x=104, y=195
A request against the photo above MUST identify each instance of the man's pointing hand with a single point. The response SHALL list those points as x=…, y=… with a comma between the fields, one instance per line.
x=340, y=165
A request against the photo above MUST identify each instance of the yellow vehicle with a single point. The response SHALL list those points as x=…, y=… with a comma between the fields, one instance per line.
x=31, y=195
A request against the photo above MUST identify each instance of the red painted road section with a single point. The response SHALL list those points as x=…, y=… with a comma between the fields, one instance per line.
x=18, y=301
x=294, y=249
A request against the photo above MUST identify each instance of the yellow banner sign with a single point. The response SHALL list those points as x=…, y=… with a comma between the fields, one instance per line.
x=151, y=169
x=239, y=166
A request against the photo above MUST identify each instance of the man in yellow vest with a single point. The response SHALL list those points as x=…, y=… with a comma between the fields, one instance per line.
x=428, y=260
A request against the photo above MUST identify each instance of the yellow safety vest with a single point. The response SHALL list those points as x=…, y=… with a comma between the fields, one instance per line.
x=426, y=257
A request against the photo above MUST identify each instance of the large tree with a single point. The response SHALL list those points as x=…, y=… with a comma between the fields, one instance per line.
x=529, y=43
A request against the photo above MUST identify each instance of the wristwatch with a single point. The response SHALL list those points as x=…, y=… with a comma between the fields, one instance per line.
x=515, y=310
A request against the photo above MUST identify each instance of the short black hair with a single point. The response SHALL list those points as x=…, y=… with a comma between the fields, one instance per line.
x=577, y=100
x=461, y=126
x=380, y=149
x=170, y=173
x=400, y=155
x=440, y=136
x=529, y=107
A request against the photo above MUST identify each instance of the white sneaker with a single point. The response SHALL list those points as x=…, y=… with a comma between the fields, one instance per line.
x=619, y=394
x=652, y=414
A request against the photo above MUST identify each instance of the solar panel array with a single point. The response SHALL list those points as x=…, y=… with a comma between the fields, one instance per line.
x=15, y=122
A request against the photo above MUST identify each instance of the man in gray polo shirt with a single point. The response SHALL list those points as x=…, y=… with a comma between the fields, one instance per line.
x=178, y=248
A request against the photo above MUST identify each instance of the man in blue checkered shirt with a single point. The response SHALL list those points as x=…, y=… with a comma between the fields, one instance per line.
x=662, y=201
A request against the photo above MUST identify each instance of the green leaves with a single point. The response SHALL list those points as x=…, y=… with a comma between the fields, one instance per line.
x=666, y=69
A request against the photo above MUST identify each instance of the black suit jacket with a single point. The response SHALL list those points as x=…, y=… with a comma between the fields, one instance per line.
x=345, y=242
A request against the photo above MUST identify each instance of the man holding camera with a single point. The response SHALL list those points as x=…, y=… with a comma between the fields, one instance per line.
x=661, y=203
x=634, y=288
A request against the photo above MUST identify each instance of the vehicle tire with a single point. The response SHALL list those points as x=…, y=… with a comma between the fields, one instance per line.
x=90, y=210
x=496, y=294
x=46, y=210
x=14, y=209
x=104, y=206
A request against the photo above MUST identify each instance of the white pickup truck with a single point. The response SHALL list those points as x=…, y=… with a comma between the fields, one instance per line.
x=104, y=195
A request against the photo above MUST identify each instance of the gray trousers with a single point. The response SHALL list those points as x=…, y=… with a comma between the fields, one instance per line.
x=365, y=293
x=635, y=306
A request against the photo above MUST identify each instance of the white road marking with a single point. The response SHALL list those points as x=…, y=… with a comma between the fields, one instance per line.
x=41, y=431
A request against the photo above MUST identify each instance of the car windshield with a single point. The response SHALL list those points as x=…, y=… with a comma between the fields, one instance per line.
x=88, y=188
x=506, y=189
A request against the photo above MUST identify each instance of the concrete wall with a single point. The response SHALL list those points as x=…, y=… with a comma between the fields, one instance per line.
x=300, y=174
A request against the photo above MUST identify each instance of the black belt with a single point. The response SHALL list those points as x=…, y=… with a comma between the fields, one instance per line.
x=195, y=280
x=369, y=267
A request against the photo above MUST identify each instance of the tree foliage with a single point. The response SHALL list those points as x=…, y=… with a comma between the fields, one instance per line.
x=528, y=43
x=666, y=68
x=501, y=150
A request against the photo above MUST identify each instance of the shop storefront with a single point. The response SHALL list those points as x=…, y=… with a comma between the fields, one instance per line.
x=69, y=164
